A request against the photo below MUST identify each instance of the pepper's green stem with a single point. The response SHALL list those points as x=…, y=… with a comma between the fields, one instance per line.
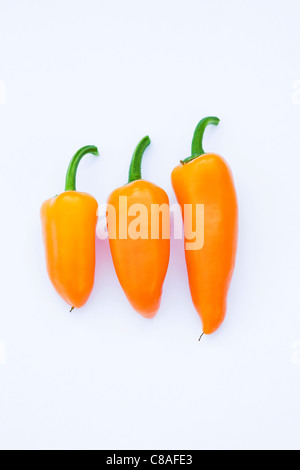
x=197, y=143
x=135, y=172
x=72, y=170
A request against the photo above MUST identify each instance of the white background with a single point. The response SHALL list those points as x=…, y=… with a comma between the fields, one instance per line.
x=108, y=72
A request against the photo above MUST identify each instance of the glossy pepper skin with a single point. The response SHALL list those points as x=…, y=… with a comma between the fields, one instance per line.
x=69, y=232
x=141, y=264
x=206, y=179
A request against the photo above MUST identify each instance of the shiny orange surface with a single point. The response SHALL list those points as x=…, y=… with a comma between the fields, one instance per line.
x=69, y=233
x=141, y=264
x=208, y=180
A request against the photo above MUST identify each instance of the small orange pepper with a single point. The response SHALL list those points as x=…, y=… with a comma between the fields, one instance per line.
x=69, y=232
x=205, y=178
x=141, y=261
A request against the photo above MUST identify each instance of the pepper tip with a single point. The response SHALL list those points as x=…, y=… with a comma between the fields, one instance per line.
x=201, y=336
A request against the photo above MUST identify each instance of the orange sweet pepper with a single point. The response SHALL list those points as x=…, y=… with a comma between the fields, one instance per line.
x=205, y=178
x=69, y=232
x=140, y=260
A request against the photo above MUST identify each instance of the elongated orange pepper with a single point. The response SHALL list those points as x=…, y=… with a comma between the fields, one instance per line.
x=206, y=179
x=69, y=232
x=140, y=257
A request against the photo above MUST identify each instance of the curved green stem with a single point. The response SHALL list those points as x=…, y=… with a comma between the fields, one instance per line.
x=72, y=170
x=135, y=172
x=197, y=143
